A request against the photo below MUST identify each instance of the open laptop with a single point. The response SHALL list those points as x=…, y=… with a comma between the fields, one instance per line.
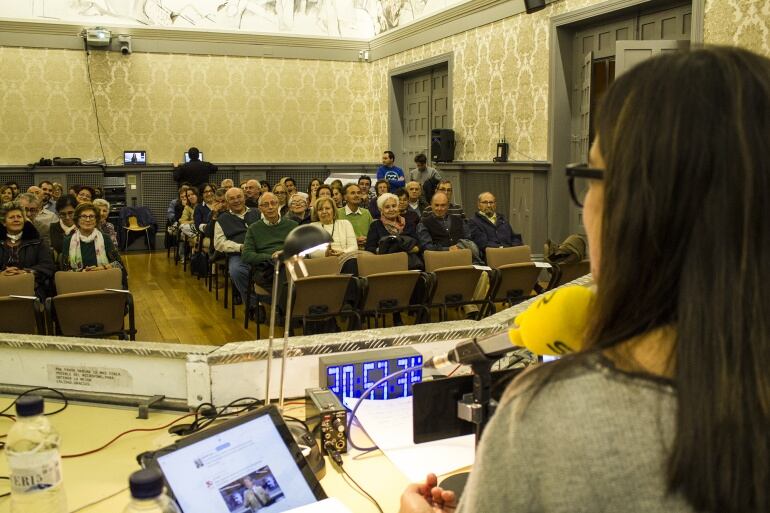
x=250, y=458
x=187, y=157
x=134, y=158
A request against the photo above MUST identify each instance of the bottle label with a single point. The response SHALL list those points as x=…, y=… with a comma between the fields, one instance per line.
x=31, y=472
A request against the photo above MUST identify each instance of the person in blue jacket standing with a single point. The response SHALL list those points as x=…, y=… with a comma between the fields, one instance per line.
x=394, y=175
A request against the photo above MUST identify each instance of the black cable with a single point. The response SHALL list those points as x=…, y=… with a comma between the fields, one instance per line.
x=336, y=459
x=57, y=392
x=6, y=494
x=93, y=99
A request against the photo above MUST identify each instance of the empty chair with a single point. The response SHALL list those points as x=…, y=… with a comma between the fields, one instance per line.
x=438, y=259
x=133, y=226
x=17, y=285
x=369, y=263
x=322, y=266
x=22, y=313
x=91, y=304
x=457, y=286
x=321, y=298
x=565, y=273
x=513, y=255
x=512, y=284
x=390, y=292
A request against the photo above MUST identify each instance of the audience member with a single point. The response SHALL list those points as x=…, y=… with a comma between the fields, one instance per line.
x=187, y=221
x=251, y=190
x=98, y=193
x=85, y=194
x=312, y=190
x=380, y=188
x=46, y=201
x=226, y=183
x=426, y=176
x=14, y=187
x=416, y=202
x=489, y=228
x=391, y=173
x=230, y=233
x=65, y=206
x=279, y=191
x=338, y=197
x=203, y=208
x=57, y=191
x=324, y=191
x=359, y=217
x=336, y=183
x=264, y=238
x=365, y=183
x=6, y=194
x=264, y=186
x=299, y=212
x=73, y=190
x=218, y=206
x=665, y=407
x=411, y=217
x=195, y=172
x=40, y=218
x=86, y=248
x=291, y=186
x=22, y=251
x=105, y=226
x=341, y=231
x=442, y=230
x=445, y=186
x=392, y=224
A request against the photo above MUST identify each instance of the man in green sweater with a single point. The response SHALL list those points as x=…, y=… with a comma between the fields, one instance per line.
x=264, y=239
x=359, y=217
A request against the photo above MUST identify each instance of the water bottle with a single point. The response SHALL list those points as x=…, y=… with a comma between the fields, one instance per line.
x=147, y=493
x=34, y=461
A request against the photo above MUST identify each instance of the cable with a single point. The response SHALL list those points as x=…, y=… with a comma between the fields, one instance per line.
x=6, y=494
x=81, y=508
x=363, y=396
x=63, y=397
x=453, y=371
x=93, y=99
x=137, y=430
x=336, y=459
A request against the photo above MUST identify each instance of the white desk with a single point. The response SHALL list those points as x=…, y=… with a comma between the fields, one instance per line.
x=90, y=478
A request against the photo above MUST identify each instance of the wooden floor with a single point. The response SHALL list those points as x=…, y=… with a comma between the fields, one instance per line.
x=174, y=306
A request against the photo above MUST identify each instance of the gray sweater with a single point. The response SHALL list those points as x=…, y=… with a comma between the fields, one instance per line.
x=595, y=440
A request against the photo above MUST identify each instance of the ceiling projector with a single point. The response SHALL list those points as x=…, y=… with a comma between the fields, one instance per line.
x=98, y=36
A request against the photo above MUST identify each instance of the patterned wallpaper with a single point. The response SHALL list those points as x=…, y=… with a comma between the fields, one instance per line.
x=241, y=109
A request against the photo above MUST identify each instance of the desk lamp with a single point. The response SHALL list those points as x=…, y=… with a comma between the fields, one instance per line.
x=300, y=242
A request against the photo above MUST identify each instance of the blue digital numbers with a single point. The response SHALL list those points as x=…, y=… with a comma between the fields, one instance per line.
x=351, y=380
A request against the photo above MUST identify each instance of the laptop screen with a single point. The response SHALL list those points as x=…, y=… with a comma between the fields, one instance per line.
x=247, y=465
x=187, y=157
x=134, y=157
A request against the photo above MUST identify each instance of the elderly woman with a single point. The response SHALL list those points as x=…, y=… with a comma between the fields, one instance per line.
x=65, y=206
x=341, y=231
x=22, y=251
x=86, y=248
x=391, y=233
x=666, y=406
x=86, y=194
x=105, y=226
x=298, y=209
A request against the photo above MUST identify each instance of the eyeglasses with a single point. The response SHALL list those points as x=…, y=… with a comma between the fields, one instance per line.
x=67, y=214
x=444, y=189
x=269, y=204
x=488, y=202
x=87, y=217
x=30, y=210
x=577, y=175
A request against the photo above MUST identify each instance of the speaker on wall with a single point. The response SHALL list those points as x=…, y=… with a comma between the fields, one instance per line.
x=534, y=5
x=442, y=145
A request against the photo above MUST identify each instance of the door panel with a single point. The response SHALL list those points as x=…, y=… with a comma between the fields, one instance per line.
x=630, y=53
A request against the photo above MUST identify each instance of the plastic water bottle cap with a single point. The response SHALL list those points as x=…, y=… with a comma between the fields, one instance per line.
x=146, y=483
x=29, y=405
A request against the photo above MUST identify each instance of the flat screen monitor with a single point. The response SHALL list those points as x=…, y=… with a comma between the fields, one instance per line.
x=134, y=158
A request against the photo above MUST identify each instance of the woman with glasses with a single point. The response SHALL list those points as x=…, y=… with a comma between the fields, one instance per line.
x=22, y=251
x=341, y=231
x=282, y=195
x=86, y=248
x=86, y=194
x=203, y=209
x=298, y=209
x=667, y=405
x=56, y=191
x=65, y=206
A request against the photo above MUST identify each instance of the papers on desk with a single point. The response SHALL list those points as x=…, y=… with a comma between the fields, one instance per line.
x=330, y=505
x=389, y=425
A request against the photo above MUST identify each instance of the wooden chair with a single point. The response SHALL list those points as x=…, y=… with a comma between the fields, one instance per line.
x=438, y=259
x=133, y=226
x=511, y=284
x=565, y=273
x=321, y=298
x=92, y=305
x=390, y=293
x=503, y=256
x=455, y=287
x=17, y=285
x=21, y=311
x=369, y=264
x=323, y=266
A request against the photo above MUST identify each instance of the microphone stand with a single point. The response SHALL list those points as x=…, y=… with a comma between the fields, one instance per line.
x=271, y=331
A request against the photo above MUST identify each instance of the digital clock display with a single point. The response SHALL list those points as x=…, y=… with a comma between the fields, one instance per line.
x=351, y=379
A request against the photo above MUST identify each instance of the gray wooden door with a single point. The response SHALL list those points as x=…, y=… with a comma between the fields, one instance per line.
x=426, y=106
x=630, y=53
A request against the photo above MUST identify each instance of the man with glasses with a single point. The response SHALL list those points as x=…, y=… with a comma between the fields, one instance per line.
x=489, y=228
x=264, y=239
x=41, y=218
x=445, y=186
x=359, y=217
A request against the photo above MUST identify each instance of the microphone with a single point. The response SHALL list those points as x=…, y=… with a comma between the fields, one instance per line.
x=552, y=325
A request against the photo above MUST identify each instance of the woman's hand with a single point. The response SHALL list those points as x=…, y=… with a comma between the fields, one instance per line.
x=332, y=252
x=12, y=271
x=427, y=498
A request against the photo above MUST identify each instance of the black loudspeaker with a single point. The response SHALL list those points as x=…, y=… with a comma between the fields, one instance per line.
x=534, y=5
x=442, y=145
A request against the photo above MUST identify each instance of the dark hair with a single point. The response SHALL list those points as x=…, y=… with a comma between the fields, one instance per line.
x=193, y=153
x=390, y=154
x=421, y=159
x=265, y=183
x=309, y=185
x=364, y=177
x=379, y=182
x=324, y=186
x=662, y=196
x=89, y=189
x=348, y=186
x=45, y=181
x=208, y=185
x=290, y=179
x=66, y=200
x=194, y=190
x=401, y=192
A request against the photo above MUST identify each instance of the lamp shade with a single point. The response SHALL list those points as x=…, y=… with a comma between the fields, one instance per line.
x=305, y=239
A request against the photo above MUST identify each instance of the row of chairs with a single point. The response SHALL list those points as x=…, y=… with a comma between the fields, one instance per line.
x=87, y=304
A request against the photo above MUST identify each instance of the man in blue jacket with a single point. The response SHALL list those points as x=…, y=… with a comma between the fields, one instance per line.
x=391, y=173
x=489, y=228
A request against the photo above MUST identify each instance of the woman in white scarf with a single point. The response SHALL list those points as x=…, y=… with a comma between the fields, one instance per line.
x=87, y=249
